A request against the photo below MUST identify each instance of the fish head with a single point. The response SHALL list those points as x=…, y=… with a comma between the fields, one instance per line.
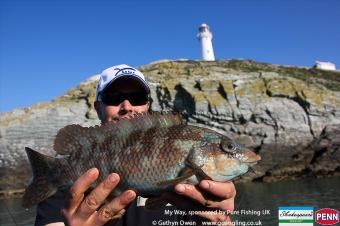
x=234, y=150
x=227, y=160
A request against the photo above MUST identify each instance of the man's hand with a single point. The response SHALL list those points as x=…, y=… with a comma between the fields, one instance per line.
x=81, y=210
x=225, y=191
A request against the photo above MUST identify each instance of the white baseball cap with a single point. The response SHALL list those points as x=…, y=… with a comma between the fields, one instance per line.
x=109, y=75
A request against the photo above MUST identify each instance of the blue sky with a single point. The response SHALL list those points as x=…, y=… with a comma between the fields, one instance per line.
x=48, y=47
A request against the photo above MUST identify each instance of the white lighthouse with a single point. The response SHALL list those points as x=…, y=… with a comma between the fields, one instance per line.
x=205, y=37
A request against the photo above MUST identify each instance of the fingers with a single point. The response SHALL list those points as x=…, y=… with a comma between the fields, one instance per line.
x=191, y=192
x=76, y=192
x=225, y=190
x=115, y=208
x=222, y=190
x=226, y=206
x=98, y=196
x=223, y=197
x=83, y=211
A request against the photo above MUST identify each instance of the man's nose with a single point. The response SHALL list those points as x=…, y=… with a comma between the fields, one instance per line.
x=125, y=107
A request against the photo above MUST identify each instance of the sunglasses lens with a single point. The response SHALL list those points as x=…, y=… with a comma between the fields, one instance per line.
x=135, y=99
x=111, y=99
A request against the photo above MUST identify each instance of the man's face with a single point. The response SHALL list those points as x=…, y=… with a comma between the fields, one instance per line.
x=110, y=112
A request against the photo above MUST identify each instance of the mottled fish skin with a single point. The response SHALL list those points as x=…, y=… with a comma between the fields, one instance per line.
x=142, y=160
x=148, y=151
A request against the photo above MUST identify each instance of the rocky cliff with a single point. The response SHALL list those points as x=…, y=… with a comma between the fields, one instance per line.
x=289, y=115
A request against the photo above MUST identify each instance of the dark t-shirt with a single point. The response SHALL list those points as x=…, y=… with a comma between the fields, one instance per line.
x=49, y=211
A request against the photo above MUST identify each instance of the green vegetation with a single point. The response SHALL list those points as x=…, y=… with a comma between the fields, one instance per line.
x=330, y=79
x=175, y=69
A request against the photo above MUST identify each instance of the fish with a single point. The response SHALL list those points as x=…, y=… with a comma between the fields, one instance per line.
x=152, y=152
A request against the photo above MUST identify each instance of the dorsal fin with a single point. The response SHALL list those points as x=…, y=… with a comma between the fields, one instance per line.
x=139, y=122
x=167, y=119
x=66, y=140
x=72, y=138
x=144, y=121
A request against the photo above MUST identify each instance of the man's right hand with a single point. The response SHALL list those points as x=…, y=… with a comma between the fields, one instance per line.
x=81, y=210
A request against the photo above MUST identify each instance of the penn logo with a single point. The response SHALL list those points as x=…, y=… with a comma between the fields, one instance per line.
x=327, y=216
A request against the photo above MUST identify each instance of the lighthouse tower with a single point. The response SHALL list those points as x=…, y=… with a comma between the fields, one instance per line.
x=205, y=37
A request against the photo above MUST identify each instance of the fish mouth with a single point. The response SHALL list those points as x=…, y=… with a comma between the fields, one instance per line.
x=250, y=163
x=253, y=159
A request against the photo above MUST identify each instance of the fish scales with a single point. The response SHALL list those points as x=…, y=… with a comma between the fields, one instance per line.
x=150, y=152
x=143, y=163
x=151, y=163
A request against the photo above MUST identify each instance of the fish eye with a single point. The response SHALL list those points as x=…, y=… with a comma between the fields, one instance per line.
x=228, y=146
x=231, y=147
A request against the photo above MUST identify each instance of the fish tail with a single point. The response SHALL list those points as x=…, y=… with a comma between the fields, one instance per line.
x=43, y=184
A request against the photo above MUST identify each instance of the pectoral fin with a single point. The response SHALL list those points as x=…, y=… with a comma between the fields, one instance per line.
x=186, y=173
x=197, y=169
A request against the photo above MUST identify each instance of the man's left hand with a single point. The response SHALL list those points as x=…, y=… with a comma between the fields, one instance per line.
x=225, y=191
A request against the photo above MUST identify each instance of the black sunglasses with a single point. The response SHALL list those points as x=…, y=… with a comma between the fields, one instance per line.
x=135, y=98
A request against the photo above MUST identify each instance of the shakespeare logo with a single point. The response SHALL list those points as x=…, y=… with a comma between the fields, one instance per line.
x=296, y=215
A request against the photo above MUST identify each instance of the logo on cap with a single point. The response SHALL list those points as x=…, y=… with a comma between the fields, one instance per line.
x=125, y=71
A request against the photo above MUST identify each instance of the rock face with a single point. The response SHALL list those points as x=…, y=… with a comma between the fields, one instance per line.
x=289, y=115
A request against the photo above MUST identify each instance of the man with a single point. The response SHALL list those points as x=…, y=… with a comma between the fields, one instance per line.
x=121, y=92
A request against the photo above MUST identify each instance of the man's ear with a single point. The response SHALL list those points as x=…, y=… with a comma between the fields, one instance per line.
x=149, y=107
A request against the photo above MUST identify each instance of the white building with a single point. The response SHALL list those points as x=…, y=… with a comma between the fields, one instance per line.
x=205, y=37
x=324, y=66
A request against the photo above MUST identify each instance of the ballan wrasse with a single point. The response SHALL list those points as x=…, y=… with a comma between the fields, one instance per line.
x=151, y=153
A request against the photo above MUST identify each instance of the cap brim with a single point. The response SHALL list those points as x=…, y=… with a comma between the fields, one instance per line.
x=140, y=81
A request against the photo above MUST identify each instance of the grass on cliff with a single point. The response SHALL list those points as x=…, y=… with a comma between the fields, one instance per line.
x=330, y=79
